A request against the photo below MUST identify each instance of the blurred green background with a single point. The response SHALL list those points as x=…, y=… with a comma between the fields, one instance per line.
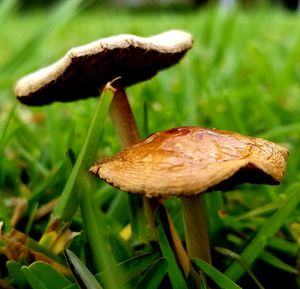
x=242, y=74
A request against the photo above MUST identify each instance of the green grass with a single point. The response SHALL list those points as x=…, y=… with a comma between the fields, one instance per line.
x=242, y=74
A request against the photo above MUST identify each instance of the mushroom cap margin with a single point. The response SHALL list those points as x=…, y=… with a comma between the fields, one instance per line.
x=191, y=160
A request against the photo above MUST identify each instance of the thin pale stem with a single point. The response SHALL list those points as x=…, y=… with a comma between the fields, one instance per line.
x=127, y=131
x=178, y=249
x=126, y=128
x=195, y=228
x=123, y=119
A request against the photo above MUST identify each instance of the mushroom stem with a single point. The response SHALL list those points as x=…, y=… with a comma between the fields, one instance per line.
x=126, y=128
x=179, y=251
x=123, y=119
x=127, y=131
x=195, y=228
x=149, y=207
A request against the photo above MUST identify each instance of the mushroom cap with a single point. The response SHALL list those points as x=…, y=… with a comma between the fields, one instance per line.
x=84, y=70
x=192, y=160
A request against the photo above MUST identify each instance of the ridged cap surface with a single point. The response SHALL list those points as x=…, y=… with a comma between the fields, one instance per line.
x=191, y=160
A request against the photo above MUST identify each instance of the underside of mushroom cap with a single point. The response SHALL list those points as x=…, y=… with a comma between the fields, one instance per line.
x=192, y=160
x=84, y=70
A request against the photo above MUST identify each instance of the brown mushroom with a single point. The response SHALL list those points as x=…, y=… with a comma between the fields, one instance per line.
x=85, y=70
x=188, y=161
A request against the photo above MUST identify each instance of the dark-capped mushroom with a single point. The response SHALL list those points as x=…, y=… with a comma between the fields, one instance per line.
x=189, y=161
x=85, y=70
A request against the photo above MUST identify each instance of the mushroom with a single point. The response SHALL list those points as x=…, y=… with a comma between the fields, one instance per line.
x=188, y=161
x=85, y=70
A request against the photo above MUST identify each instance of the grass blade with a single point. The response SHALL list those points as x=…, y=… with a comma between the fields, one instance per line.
x=132, y=267
x=280, y=131
x=42, y=275
x=120, y=248
x=238, y=258
x=96, y=231
x=260, y=210
x=15, y=271
x=214, y=204
x=175, y=274
x=6, y=8
x=59, y=16
x=289, y=248
x=219, y=278
x=69, y=200
x=270, y=227
x=6, y=125
x=33, y=280
x=81, y=273
x=154, y=275
x=274, y=261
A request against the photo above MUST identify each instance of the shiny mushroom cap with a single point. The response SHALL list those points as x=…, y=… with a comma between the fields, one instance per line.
x=84, y=70
x=191, y=160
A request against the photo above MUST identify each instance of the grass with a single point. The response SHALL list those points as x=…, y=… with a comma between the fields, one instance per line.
x=242, y=74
